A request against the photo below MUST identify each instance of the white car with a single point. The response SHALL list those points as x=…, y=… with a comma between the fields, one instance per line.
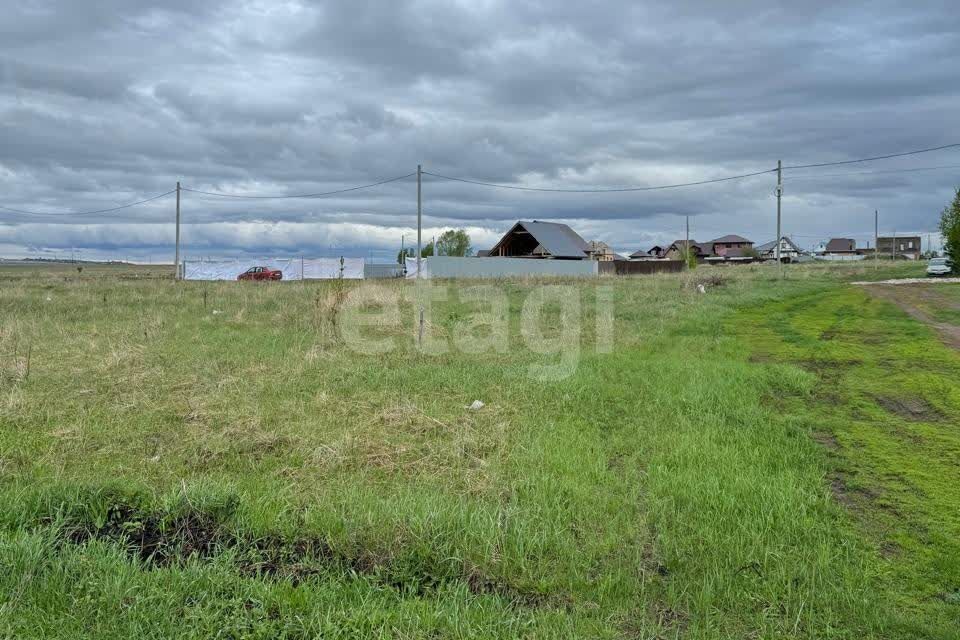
x=939, y=267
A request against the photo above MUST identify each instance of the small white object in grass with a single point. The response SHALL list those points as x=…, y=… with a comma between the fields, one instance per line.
x=476, y=406
x=701, y=288
x=216, y=312
x=49, y=298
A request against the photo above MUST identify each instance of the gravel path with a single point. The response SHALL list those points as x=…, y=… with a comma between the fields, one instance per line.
x=911, y=281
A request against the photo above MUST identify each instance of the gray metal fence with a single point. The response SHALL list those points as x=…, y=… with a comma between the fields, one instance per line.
x=453, y=267
x=382, y=270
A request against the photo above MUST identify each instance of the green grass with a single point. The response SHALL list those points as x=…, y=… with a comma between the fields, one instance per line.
x=726, y=471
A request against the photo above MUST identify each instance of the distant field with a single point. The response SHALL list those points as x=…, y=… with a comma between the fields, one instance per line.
x=25, y=269
x=768, y=459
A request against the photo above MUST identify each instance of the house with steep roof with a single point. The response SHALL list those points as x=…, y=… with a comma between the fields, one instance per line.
x=640, y=254
x=789, y=250
x=602, y=252
x=676, y=250
x=544, y=240
x=839, y=247
x=730, y=246
x=657, y=251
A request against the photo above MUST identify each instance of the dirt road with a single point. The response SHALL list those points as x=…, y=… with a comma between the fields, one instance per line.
x=920, y=301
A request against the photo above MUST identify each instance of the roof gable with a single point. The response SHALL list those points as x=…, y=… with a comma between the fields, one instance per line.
x=731, y=239
x=553, y=238
x=770, y=246
x=841, y=244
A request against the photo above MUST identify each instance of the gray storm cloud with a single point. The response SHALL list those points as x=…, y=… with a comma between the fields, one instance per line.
x=110, y=102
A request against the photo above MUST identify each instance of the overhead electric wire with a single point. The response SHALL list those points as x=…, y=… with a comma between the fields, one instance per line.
x=890, y=155
x=617, y=190
x=53, y=214
x=711, y=181
x=864, y=173
x=300, y=195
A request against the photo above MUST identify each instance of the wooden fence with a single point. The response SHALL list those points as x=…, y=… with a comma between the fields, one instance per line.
x=640, y=267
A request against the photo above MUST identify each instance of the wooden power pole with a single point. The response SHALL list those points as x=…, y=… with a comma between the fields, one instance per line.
x=779, y=193
x=419, y=218
x=876, y=239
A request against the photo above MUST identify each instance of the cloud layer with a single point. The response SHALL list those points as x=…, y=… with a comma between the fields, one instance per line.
x=112, y=103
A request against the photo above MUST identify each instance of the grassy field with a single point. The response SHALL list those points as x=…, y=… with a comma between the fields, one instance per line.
x=773, y=458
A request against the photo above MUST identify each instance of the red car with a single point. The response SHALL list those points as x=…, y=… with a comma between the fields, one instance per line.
x=261, y=273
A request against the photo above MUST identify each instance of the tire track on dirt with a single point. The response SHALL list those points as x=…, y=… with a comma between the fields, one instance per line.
x=909, y=298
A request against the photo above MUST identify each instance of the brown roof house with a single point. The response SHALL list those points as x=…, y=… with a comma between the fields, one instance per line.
x=729, y=244
x=675, y=250
x=730, y=247
x=640, y=254
x=839, y=247
x=602, y=252
x=657, y=251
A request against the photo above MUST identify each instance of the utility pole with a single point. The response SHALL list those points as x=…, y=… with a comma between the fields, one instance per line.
x=686, y=245
x=176, y=260
x=779, y=193
x=876, y=239
x=419, y=217
x=419, y=252
x=893, y=248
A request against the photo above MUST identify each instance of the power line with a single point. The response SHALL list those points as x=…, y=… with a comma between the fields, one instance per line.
x=86, y=213
x=621, y=190
x=516, y=187
x=848, y=234
x=863, y=173
x=891, y=155
x=300, y=195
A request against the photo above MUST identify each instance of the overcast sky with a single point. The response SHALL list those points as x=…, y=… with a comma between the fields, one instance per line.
x=111, y=102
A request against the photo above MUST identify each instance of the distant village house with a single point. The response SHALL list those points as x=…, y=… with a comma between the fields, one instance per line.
x=895, y=246
x=789, y=251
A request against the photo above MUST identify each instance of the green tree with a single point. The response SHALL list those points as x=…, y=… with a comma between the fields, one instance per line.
x=950, y=230
x=454, y=242
x=427, y=250
x=688, y=256
x=403, y=255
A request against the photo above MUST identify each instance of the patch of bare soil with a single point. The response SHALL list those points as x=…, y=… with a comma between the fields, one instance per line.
x=909, y=298
x=827, y=440
x=853, y=498
x=161, y=539
x=913, y=409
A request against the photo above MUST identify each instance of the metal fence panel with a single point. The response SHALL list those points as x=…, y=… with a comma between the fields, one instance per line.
x=371, y=270
x=454, y=267
x=292, y=268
